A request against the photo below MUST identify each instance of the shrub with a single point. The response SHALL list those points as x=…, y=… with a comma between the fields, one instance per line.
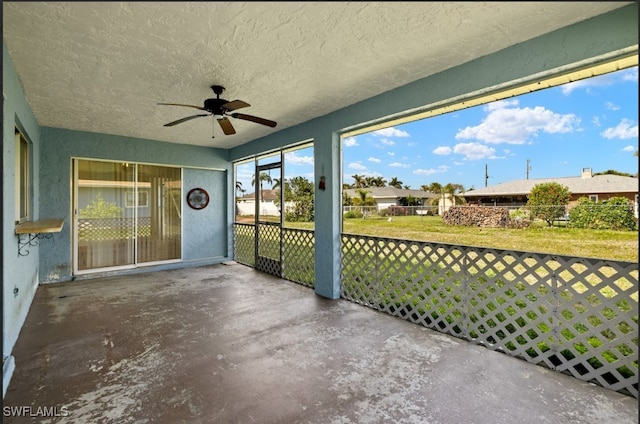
x=548, y=201
x=613, y=214
x=353, y=214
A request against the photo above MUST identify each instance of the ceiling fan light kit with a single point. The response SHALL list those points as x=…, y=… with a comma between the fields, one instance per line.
x=220, y=109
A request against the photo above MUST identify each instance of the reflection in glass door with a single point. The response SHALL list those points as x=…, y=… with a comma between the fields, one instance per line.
x=125, y=214
x=159, y=213
x=105, y=230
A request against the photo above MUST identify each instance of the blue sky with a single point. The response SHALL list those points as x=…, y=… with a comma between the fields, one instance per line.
x=591, y=123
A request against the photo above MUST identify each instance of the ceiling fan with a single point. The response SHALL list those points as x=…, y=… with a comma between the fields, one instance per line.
x=220, y=109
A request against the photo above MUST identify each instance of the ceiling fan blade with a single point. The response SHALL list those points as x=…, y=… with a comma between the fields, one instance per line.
x=180, y=104
x=255, y=119
x=235, y=104
x=179, y=121
x=226, y=126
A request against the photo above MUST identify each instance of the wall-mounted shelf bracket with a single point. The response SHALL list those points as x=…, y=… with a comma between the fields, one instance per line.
x=31, y=232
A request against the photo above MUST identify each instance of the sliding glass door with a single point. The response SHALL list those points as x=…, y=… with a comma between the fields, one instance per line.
x=125, y=214
x=159, y=214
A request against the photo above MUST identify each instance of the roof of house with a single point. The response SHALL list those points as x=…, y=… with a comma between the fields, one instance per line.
x=267, y=194
x=608, y=183
x=389, y=192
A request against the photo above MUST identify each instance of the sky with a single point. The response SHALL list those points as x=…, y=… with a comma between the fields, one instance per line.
x=554, y=132
x=591, y=123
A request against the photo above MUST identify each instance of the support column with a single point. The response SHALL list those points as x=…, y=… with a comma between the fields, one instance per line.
x=326, y=153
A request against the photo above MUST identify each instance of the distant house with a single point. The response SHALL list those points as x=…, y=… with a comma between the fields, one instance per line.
x=246, y=205
x=391, y=196
x=595, y=187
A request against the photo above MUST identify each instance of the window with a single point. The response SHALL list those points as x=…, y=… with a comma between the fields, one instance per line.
x=143, y=199
x=23, y=180
x=593, y=198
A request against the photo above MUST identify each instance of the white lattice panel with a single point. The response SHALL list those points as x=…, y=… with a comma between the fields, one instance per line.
x=298, y=256
x=574, y=315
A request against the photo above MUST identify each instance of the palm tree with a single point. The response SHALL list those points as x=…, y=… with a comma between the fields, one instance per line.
x=455, y=192
x=364, y=199
x=395, y=182
x=263, y=177
x=450, y=191
x=239, y=188
x=376, y=182
x=359, y=181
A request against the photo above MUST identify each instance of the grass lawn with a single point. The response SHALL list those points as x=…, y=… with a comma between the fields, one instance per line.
x=560, y=240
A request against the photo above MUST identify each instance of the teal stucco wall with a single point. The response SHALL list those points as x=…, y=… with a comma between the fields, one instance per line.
x=571, y=47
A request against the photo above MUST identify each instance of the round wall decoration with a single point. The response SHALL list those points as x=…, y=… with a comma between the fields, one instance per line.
x=198, y=198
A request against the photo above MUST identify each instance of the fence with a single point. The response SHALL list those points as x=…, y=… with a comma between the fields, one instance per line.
x=573, y=315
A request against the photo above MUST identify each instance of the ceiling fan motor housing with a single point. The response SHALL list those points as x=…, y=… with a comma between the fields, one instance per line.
x=215, y=105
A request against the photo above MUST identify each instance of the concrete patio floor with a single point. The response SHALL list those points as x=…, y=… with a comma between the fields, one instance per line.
x=228, y=344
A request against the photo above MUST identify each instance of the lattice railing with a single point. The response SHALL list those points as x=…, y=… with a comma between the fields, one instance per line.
x=269, y=258
x=573, y=315
x=244, y=248
x=113, y=228
x=297, y=249
x=298, y=256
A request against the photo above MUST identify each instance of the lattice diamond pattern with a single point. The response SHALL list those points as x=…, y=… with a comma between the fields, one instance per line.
x=244, y=244
x=298, y=251
x=269, y=249
x=298, y=256
x=573, y=315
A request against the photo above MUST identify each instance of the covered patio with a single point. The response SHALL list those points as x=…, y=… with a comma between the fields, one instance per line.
x=225, y=343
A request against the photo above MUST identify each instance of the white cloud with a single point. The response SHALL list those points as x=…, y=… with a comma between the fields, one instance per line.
x=596, y=121
x=606, y=80
x=630, y=75
x=357, y=166
x=387, y=142
x=611, y=106
x=441, y=169
x=625, y=129
x=568, y=88
x=391, y=132
x=399, y=165
x=501, y=104
x=374, y=160
x=474, y=151
x=516, y=125
x=629, y=149
x=442, y=150
x=293, y=158
x=350, y=142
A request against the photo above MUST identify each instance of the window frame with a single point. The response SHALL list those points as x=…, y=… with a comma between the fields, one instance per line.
x=23, y=178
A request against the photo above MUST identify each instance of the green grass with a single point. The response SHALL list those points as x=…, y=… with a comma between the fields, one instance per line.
x=602, y=244
x=425, y=290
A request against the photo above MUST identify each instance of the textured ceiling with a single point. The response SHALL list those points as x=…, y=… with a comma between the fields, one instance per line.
x=103, y=66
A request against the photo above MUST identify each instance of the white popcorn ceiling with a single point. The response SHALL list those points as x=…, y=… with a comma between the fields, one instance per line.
x=103, y=66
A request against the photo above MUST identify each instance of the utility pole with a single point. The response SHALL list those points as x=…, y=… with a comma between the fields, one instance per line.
x=528, y=167
x=486, y=174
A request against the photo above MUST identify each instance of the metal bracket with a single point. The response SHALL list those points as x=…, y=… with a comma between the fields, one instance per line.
x=30, y=240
